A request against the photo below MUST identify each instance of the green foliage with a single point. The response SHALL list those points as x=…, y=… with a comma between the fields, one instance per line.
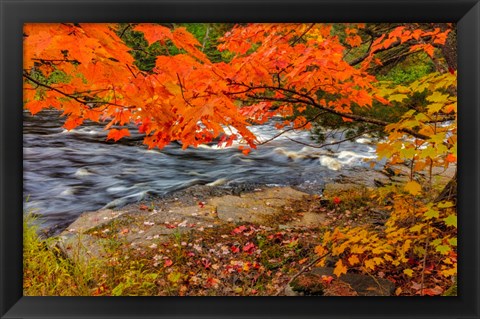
x=208, y=35
x=409, y=70
x=45, y=271
x=145, y=55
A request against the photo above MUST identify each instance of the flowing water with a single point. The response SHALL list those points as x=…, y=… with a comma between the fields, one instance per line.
x=67, y=173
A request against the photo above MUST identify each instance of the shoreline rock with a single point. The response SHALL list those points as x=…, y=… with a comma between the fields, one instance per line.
x=312, y=284
x=140, y=225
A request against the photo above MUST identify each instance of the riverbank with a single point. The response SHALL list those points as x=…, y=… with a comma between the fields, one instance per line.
x=206, y=241
x=211, y=240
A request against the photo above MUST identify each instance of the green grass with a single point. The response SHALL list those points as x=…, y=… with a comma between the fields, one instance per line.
x=45, y=271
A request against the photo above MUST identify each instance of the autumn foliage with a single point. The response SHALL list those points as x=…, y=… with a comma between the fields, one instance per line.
x=298, y=72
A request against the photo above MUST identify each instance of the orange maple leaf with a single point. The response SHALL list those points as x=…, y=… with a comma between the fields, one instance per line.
x=117, y=134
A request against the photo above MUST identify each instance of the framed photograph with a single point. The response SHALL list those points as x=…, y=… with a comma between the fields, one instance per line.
x=180, y=159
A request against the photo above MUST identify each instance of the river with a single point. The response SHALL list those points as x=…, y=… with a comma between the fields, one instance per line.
x=67, y=173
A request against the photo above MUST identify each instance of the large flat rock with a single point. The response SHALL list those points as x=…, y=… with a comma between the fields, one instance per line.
x=145, y=227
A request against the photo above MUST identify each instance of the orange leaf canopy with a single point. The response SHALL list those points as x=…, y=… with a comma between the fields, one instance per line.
x=187, y=97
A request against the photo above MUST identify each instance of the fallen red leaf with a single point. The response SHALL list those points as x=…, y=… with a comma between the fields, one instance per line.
x=327, y=279
x=239, y=229
x=249, y=248
x=433, y=291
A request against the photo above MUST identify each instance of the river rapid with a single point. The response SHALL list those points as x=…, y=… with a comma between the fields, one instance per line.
x=67, y=173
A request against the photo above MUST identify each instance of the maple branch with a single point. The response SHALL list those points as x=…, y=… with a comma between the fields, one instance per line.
x=124, y=30
x=73, y=97
x=395, y=59
x=313, y=103
x=393, y=45
x=129, y=69
x=181, y=90
x=365, y=54
x=291, y=129
x=269, y=87
x=55, y=60
x=301, y=36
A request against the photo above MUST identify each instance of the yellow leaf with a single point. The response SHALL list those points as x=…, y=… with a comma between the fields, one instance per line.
x=413, y=188
x=451, y=220
x=321, y=263
x=434, y=107
x=408, y=152
x=416, y=228
x=403, y=90
x=431, y=213
x=408, y=272
x=319, y=250
x=445, y=204
x=437, y=97
x=339, y=269
x=449, y=272
x=353, y=260
x=428, y=152
x=397, y=97
x=398, y=291
x=377, y=260
x=370, y=264
x=447, y=261
x=358, y=249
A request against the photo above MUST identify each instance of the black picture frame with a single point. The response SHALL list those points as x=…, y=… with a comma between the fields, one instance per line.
x=14, y=13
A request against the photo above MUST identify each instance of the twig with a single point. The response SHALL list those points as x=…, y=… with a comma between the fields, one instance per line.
x=124, y=30
x=301, y=36
x=376, y=281
x=205, y=38
x=87, y=103
x=291, y=129
x=313, y=262
x=181, y=90
x=129, y=69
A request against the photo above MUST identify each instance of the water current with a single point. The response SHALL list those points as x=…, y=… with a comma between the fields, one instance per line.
x=66, y=173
